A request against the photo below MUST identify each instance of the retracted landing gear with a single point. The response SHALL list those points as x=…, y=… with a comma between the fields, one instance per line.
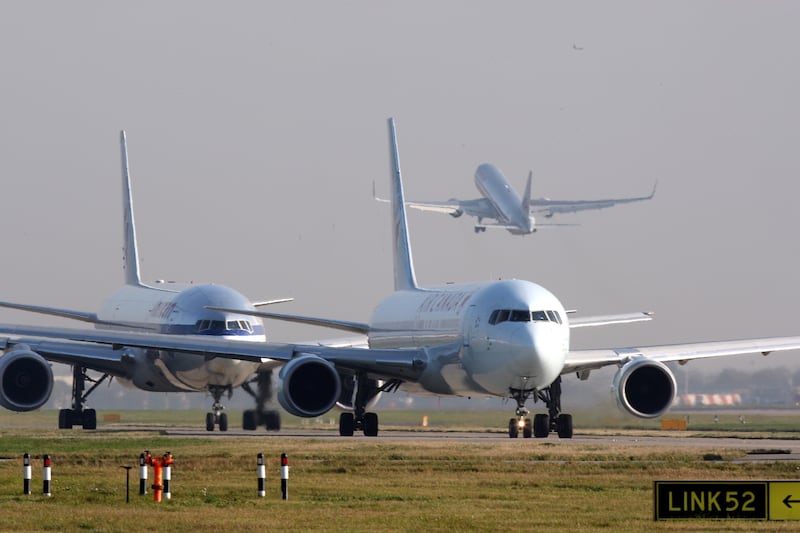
x=78, y=416
x=359, y=419
x=261, y=416
x=543, y=424
x=216, y=416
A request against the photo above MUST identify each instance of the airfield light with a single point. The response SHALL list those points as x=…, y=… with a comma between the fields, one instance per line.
x=26, y=473
x=262, y=475
x=284, y=477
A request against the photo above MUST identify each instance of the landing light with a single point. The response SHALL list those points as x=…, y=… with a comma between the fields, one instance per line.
x=521, y=423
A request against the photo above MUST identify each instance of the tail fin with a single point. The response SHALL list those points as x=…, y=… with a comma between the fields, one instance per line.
x=130, y=255
x=526, y=199
x=404, y=278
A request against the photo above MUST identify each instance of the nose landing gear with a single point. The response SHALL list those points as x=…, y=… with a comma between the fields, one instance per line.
x=543, y=424
x=217, y=416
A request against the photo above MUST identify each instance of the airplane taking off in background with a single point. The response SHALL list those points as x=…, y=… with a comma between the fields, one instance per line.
x=139, y=307
x=507, y=339
x=510, y=211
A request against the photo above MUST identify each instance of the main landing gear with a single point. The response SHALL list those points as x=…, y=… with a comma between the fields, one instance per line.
x=261, y=416
x=543, y=424
x=360, y=419
x=78, y=416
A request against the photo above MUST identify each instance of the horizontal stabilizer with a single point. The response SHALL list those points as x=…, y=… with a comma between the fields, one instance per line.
x=271, y=302
x=607, y=320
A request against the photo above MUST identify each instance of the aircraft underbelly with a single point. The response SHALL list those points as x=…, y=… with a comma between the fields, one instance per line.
x=180, y=372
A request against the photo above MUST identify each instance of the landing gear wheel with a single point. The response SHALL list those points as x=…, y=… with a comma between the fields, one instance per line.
x=564, y=425
x=223, y=422
x=89, y=419
x=371, y=424
x=513, y=429
x=272, y=419
x=65, y=419
x=346, y=424
x=209, y=421
x=541, y=426
x=249, y=419
x=527, y=429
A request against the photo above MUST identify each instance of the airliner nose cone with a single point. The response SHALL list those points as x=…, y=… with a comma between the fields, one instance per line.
x=538, y=352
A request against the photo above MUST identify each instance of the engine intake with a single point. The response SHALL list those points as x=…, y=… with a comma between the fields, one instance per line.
x=645, y=388
x=26, y=380
x=309, y=386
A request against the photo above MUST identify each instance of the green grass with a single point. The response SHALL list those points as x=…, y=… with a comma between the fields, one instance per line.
x=355, y=484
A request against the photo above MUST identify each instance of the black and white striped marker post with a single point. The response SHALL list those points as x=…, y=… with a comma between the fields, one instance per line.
x=26, y=473
x=142, y=474
x=284, y=477
x=167, y=476
x=46, y=473
x=262, y=475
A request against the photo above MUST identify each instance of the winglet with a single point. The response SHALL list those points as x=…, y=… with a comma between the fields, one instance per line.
x=404, y=278
x=130, y=255
x=526, y=200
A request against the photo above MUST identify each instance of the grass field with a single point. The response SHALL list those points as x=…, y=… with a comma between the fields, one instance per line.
x=364, y=484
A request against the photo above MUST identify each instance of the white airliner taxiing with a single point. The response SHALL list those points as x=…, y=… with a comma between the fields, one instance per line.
x=510, y=211
x=162, y=308
x=507, y=338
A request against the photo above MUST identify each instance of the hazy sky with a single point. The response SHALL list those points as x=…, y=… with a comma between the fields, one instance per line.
x=256, y=130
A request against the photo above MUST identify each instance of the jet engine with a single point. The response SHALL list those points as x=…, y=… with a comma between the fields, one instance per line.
x=644, y=388
x=26, y=380
x=309, y=386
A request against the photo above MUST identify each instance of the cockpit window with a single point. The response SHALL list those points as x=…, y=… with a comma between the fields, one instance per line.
x=517, y=315
x=221, y=327
x=522, y=315
x=554, y=316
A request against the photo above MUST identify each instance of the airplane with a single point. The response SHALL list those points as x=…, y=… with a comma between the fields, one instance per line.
x=160, y=307
x=506, y=338
x=510, y=211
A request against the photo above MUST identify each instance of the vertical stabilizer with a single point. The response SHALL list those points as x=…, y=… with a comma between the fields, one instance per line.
x=404, y=278
x=526, y=199
x=130, y=255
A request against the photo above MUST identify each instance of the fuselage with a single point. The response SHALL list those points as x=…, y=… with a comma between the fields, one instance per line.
x=181, y=311
x=494, y=186
x=513, y=334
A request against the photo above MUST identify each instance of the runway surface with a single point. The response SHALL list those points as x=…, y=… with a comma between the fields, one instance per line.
x=758, y=448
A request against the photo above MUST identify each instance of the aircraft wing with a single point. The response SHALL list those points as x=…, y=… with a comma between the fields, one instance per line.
x=550, y=207
x=63, y=313
x=52, y=311
x=606, y=320
x=585, y=360
x=479, y=207
x=75, y=346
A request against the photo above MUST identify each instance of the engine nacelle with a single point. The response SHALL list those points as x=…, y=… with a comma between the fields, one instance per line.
x=26, y=380
x=309, y=386
x=645, y=388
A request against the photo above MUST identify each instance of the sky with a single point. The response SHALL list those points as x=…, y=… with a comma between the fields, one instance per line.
x=257, y=129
